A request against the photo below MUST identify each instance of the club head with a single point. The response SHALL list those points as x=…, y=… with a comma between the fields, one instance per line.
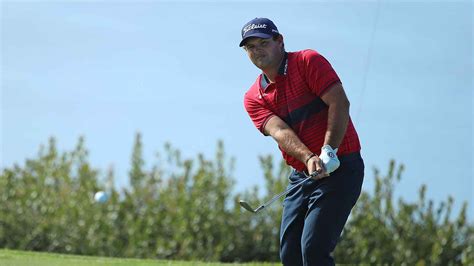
x=246, y=206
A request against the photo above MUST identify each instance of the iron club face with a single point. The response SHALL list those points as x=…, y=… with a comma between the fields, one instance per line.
x=246, y=206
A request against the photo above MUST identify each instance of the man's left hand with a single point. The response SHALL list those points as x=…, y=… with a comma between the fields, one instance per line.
x=329, y=158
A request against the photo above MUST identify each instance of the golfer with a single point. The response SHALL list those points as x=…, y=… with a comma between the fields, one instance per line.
x=299, y=101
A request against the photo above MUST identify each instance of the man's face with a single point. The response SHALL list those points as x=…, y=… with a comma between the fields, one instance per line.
x=264, y=53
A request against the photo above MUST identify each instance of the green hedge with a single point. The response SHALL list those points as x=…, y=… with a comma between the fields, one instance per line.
x=187, y=209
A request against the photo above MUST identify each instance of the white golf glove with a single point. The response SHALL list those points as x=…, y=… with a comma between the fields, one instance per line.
x=329, y=158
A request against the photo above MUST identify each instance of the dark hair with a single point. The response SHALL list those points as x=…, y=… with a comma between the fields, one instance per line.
x=275, y=37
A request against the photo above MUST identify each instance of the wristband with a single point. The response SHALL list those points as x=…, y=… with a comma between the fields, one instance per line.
x=309, y=157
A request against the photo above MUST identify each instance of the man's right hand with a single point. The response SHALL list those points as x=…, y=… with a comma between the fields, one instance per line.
x=291, y=144
x=315, y=164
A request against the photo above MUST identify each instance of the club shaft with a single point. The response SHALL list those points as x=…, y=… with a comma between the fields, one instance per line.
x=284, y=193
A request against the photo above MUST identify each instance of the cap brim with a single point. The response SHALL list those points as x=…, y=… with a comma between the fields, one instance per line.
x=257, y=34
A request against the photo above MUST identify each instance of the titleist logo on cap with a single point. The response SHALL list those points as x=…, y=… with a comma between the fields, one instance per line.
x=254, y=26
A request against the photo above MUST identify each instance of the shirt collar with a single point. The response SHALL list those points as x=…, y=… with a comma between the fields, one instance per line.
x=284, y=65
x=263, y=81
x=281, y=71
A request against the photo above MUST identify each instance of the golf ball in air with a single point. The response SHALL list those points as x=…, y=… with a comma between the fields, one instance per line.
x=101, y=197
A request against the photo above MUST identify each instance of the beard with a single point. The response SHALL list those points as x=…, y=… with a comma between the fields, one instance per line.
x=262, y=61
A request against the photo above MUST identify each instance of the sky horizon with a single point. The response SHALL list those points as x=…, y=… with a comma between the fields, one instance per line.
x=175, y=73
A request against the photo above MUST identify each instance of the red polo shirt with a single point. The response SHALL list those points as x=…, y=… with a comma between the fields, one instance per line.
x=295, y=97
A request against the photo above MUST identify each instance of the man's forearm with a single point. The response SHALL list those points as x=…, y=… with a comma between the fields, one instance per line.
x=291, y=144
x=338, y=118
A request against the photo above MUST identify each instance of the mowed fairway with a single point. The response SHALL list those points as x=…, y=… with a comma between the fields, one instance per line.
x=26, y=258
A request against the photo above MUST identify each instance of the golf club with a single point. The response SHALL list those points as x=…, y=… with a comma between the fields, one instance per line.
x=246, y=206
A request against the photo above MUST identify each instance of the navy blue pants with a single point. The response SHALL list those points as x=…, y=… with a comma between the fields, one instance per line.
x=315, y=213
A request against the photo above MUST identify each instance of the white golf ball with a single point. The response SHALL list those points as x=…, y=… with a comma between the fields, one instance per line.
x=101, y=197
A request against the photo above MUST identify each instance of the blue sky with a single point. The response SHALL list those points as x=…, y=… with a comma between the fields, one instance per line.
x=175, y=73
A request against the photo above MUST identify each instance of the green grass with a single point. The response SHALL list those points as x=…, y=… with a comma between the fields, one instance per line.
x=28, y=258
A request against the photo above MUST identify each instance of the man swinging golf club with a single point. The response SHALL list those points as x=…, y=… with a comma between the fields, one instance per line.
x=300, y=102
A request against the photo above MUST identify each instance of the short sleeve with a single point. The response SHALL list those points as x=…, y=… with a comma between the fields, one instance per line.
x=258, y=113
x=318, y=72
